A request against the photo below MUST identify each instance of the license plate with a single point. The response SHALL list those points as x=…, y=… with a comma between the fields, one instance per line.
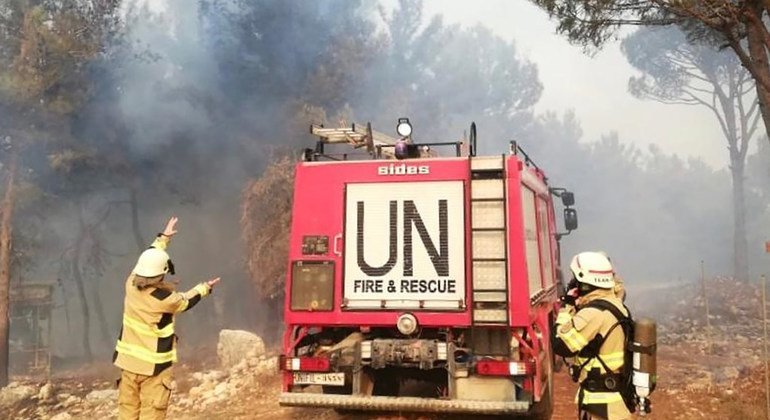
x=306, y=378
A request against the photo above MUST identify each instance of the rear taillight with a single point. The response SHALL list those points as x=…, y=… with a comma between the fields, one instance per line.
x=305, y=364
x=504, y=368
x=312, y=286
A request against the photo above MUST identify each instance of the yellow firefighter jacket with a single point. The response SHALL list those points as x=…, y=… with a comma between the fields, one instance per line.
x=575, y=330
x=147, y=343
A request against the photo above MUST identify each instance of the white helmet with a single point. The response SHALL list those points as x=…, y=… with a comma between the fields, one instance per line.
x=593, y=268
x=153, y=262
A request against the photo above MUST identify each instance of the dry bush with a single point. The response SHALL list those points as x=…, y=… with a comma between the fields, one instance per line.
x=265, y=222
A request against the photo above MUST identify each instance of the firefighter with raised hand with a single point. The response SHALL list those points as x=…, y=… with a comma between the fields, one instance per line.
x=146, y=349
x=593, y=337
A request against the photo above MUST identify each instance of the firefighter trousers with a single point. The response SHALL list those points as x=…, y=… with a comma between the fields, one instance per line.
x=585, y=415
x=143, y=397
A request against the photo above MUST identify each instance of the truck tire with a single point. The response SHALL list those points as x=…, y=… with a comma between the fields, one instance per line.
x=543, y=410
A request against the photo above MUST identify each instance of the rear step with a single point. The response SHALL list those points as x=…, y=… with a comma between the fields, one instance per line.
x=412, y=404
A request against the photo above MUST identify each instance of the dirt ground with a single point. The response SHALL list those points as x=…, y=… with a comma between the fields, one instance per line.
x=678, y=397
x=706, y=370
x=667, y=404
x=742, y=399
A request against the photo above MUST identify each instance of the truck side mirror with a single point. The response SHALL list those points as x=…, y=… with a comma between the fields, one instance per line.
x=567, y=198
x=570, y=218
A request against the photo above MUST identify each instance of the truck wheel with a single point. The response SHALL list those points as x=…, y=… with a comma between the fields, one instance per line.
x=543, y=410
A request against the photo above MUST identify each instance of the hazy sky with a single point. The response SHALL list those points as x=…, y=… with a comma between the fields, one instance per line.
x=595, y=88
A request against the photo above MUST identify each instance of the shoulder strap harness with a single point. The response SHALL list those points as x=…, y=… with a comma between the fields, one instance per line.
x=593, y=348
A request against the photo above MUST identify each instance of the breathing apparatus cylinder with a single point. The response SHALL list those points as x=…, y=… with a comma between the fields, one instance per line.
x=644, y=349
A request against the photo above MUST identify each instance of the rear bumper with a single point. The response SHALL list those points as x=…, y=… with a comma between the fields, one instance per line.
x=415, y=404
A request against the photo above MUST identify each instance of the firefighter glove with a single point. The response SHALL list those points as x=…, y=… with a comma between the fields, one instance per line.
x=568, y=299
x=571, y=296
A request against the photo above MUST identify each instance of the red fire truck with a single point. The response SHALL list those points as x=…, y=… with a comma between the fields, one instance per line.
x=421, y=283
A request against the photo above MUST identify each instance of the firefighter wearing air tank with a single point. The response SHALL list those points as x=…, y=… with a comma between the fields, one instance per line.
x=146, y=349
x=592, y=335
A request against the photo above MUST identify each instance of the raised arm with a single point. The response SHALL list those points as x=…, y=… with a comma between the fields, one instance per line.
x=163, y=238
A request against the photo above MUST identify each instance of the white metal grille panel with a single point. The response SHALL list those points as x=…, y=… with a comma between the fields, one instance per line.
x=487, y=188
x=488, y=214
x=489, y=244
x=489, y=297
x=490, y=315
x=486, y=163
x=488, y=275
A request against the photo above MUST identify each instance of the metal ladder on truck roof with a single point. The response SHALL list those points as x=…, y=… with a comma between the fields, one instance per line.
x=374, y=141
x=489, y=245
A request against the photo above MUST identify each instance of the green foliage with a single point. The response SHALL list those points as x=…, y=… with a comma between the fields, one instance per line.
x=593, y=22
x=738, y=25
x=674, y=69
x=49, y=47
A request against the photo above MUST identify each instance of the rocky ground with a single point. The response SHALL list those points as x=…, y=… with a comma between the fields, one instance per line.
x=710, y=371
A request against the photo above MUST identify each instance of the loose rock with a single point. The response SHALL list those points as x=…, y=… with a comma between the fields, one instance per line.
x=15, y=393
x=102, y=396
x=235, y=344
x=62, y=416
x=46, y=392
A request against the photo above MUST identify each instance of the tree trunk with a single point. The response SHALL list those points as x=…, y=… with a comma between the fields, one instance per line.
x=104, y=328
x=78, y=277
x=83, y=235
x=760, y=69
x=134, y=203
x=6, y=230
x=65, y=305
x=276, y=314
x=740, y=243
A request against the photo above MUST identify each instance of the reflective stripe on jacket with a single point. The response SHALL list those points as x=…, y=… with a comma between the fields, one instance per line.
x=147, y=343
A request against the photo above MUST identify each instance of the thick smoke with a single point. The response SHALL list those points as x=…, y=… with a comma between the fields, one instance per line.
x=196, y=100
